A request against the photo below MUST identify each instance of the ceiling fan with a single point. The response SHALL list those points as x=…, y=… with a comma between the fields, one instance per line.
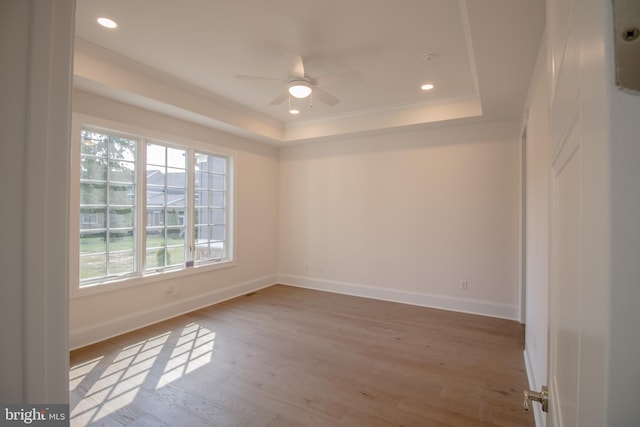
x=299, y=84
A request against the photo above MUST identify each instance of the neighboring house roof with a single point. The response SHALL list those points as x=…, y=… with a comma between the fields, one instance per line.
x=176, y=193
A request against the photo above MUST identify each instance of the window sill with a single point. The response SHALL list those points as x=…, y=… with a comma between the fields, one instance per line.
x=132, y=282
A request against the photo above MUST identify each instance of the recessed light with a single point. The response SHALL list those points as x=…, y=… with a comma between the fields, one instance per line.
x=427, y=86
x=294, y=111
x=107, y=23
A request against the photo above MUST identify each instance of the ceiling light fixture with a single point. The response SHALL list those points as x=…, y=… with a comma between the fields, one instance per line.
x=427, y=86
x=293, y=110
x=299, y=88
x=106, y=22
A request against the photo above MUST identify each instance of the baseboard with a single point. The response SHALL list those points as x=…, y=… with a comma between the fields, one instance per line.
x=104, y=330
x=484, y=308
x=108, y=329
x=538, y=415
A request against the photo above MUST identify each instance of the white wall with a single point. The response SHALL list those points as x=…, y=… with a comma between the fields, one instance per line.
x=405, y=216
x=96, y=317
x=538, y=166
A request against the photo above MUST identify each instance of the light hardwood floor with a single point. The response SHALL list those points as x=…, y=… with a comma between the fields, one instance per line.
x=286, y=356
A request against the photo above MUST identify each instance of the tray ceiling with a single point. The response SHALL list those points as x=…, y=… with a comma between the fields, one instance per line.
x=182, y=58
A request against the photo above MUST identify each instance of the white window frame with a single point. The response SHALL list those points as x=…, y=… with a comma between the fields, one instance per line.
x=107, y=226
x=140, y=276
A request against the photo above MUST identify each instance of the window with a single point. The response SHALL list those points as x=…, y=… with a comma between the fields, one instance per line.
x=107, y=205
x=166, y=170
x=149, y=207
x=210, y=207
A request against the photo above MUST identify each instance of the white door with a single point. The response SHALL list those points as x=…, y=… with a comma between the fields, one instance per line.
x=579, y=55
x=536, y=231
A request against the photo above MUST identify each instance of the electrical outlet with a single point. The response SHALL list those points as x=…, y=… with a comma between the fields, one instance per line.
x=463, y=285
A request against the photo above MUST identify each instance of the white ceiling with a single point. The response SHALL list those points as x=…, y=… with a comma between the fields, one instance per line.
x=182, y=58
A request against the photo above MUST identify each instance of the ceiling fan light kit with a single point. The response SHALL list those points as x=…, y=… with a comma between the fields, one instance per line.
x=299, y=88
x=292, y=110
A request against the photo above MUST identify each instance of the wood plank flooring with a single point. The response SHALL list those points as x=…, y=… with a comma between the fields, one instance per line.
x=286, y=356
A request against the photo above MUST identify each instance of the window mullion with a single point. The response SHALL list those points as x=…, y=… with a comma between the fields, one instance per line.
x=189, y=216
x=107, y=225
x=165, y=221
x=141, y=213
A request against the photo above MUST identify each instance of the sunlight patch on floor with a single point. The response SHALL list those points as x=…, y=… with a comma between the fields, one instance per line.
x=193, y=350
x=101, y=388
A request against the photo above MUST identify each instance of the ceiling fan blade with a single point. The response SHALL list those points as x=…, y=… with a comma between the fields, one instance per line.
x=279, y=99
x=266, y=79
x=298, y=67
x=325, y=96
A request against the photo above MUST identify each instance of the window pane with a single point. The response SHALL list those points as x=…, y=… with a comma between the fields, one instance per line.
x=217, y=216
x=177, y=201
x=122, y=195
x=155, y=175
x=217, y=199
x=217, y=164
x=202, y=163
x=107, y=205
x=217, y=232
x=202, y=252
x=121, y=241
x=93, y=143
x=202, y=234
x=198, y=185
x=176, y=177
x=176, y=158
x=156, y=248
x=121, y=262
x=202, y=198
x=93, y=243
x=121, y=218
x=122, y=172
x=93, y=194
x=166, y=201
x=166, y=254
x=122, y=148
x=217, y=182
x=176, y=255
x=156, y=155
x=155, y=259
x=93, y=218
x=210, y=200
x=93, y=168
x=155, y=238
x=217, y=250
x=174, y=217
x=93, y=266
x=155, y=196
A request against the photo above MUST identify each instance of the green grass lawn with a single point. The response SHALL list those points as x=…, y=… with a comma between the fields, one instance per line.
x=121, y=260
